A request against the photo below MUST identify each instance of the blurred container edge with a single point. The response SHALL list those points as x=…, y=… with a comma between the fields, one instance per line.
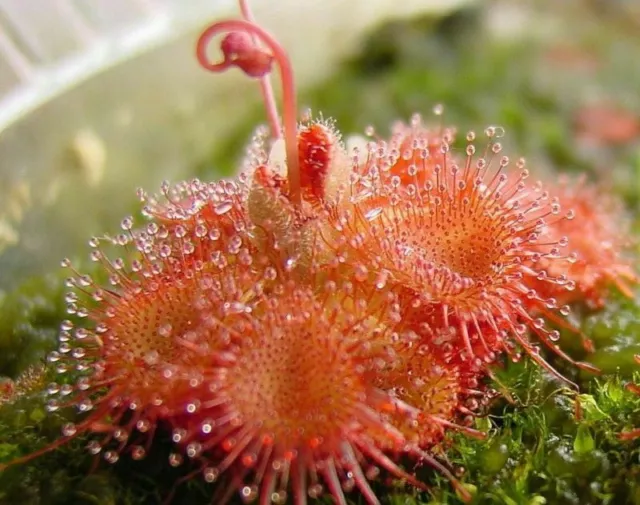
x=76, y=144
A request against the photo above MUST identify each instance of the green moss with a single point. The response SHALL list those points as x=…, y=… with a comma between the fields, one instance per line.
x=538, y=452
x=616, y=332
x=29, y=320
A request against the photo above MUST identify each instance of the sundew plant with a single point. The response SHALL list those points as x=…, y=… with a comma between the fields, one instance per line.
x=422, y=290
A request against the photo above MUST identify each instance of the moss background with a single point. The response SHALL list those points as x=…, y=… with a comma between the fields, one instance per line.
x=536, y=73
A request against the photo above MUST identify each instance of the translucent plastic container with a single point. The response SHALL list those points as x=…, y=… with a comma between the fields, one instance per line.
x=98, y=97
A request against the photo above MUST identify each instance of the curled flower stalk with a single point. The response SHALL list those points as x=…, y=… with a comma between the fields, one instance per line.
x=239, y=51
x=265, y=81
